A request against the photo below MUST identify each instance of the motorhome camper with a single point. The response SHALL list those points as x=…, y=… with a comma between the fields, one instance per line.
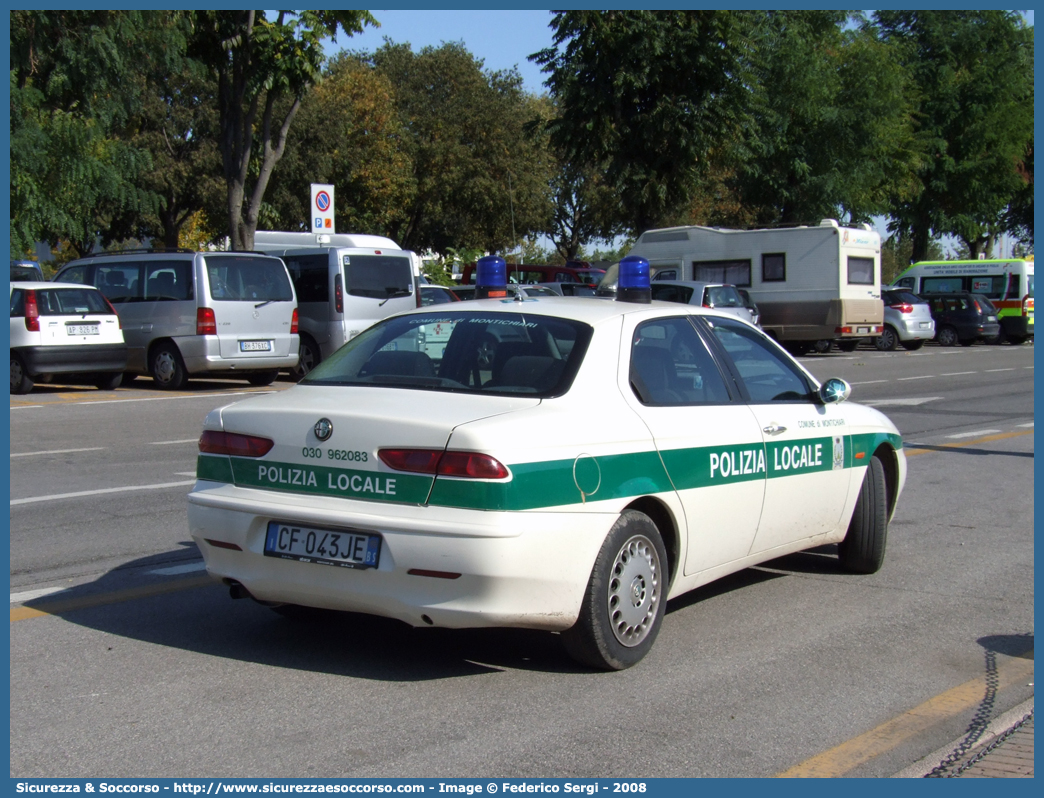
x=811, y=283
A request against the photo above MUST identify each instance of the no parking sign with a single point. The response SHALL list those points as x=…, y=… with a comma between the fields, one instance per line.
x=322, y=208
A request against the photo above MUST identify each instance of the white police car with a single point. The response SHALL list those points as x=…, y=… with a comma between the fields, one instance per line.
x=463, y=492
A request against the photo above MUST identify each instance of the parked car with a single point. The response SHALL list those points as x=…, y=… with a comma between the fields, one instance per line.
x=188, y=314
x=908, y=321
x=26, y=270
x=720, y=296
x=751, y=306
x=436, y=295
x=963, y=318
x=570, y=289
x=467, y=292
x=64, y=329
x=538, y=273
x=465, y=494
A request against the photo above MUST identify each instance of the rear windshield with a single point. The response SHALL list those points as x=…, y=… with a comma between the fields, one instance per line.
x=901, y=297
x=672, y=293
x=24, y=273
x=723, y=296
x=378, y=276
x=462, y=351
x=248, y=278
x=70, y=302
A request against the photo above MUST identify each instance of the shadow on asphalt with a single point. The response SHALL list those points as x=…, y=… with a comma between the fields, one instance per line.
x=194, y=613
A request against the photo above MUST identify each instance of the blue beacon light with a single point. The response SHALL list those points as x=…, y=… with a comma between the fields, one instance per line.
x=633, y=282
x=491, y=278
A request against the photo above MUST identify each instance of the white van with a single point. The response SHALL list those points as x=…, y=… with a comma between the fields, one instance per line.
x=345, y=282
x=1008, y=284
x=188, y=313
x=810, y=283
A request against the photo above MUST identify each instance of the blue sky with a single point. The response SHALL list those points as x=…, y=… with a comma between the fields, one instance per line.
x=502, y=39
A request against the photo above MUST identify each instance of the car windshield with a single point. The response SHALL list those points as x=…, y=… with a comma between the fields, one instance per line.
x=249, y=279
x=462, y=351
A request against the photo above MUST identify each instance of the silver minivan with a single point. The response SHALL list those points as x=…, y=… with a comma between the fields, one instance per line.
x=345, y=283
x=187, y=314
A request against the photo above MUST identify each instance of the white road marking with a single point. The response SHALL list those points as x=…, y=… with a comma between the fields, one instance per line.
x=974, y=434
x=56, y=496
x=29, y=595
x=148, y=399
x=184, y=473
x=168, y=443
x=179, y=569
x=58, y=451
x=1026, y=425
x=920, y=400
x=990, y=371
x=24, y=407
x=921, y=377
x=958, y=373
x=868, y=382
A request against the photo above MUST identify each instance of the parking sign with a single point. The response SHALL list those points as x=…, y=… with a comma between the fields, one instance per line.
x=322, y=208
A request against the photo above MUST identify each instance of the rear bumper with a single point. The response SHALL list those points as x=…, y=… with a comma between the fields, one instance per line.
x=73, y=359
x=910, y=330
x=202, y=354
x=518, y=569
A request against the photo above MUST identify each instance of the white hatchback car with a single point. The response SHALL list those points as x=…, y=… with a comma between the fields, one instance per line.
x=67, y=329
x=466, y=495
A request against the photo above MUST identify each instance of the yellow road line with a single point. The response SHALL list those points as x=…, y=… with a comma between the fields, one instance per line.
x=23, y=613
x=962, y=444
x=843, y=758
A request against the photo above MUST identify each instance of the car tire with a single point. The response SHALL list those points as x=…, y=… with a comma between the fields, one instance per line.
x=21, y=382
x=888, y=340
x=848, y=345
x=914, y=345
x=947, y=336
x=167, y=369
x=262, y=378
x=110, y=382
x=863, y=549
x=308, y=358
x=613, y=631
x=823, y=346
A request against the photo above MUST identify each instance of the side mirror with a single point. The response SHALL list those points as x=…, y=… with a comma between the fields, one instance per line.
x=834, y=390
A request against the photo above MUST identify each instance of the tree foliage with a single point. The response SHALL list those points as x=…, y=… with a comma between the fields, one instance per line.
x=258, y=62
x=347, y=134
x=973, y=72
x=478, y=179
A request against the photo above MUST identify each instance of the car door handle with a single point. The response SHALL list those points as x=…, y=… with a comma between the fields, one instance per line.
x=774, y=429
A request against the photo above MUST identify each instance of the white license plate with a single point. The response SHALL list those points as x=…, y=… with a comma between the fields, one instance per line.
x=926, y=325
x=991, y=318
x=81, y=329
x=255, y=346
x=862, y=329
x=323, y=546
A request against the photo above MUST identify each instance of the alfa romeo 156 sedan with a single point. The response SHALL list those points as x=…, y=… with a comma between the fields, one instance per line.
x=450, y=485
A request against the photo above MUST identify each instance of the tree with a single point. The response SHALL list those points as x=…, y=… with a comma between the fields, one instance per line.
x=257, y=63
x=78, y=82
x=347, y=134
x=478, y=180
x=973, y=72
x=644, y=96
x=829, y=130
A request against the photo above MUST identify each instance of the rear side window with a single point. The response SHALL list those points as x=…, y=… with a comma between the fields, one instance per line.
x=672, y=293
x=378, y=276
x=17, y=303
x=941, y=285
x=70, y=302
x=248, y=279
x=860, y=271
x=991, y=286
x=168, y=280
x=120, y=282
x=722, y=296
x=311, y=276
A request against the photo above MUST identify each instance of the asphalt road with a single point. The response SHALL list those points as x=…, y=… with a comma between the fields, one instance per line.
x=137, y=666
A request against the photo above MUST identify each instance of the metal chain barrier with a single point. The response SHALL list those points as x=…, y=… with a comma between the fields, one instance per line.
x=978, y=725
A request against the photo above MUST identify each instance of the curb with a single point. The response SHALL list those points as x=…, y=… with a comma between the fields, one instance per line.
x=996, y=727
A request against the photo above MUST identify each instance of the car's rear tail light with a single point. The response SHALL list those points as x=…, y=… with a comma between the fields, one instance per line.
x=842, y=330
x=32, y=312
x=338, y=294
x=293, y=323
x=902, y=307
x=119, y=322
x=1027, y=305
x=445, y=464
x=978, y=309
x=471, y=464
x=419, y=461
x=234, y=444
x=206, y=322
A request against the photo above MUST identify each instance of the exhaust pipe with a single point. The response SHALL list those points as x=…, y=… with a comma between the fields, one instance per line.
x=237, y=591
